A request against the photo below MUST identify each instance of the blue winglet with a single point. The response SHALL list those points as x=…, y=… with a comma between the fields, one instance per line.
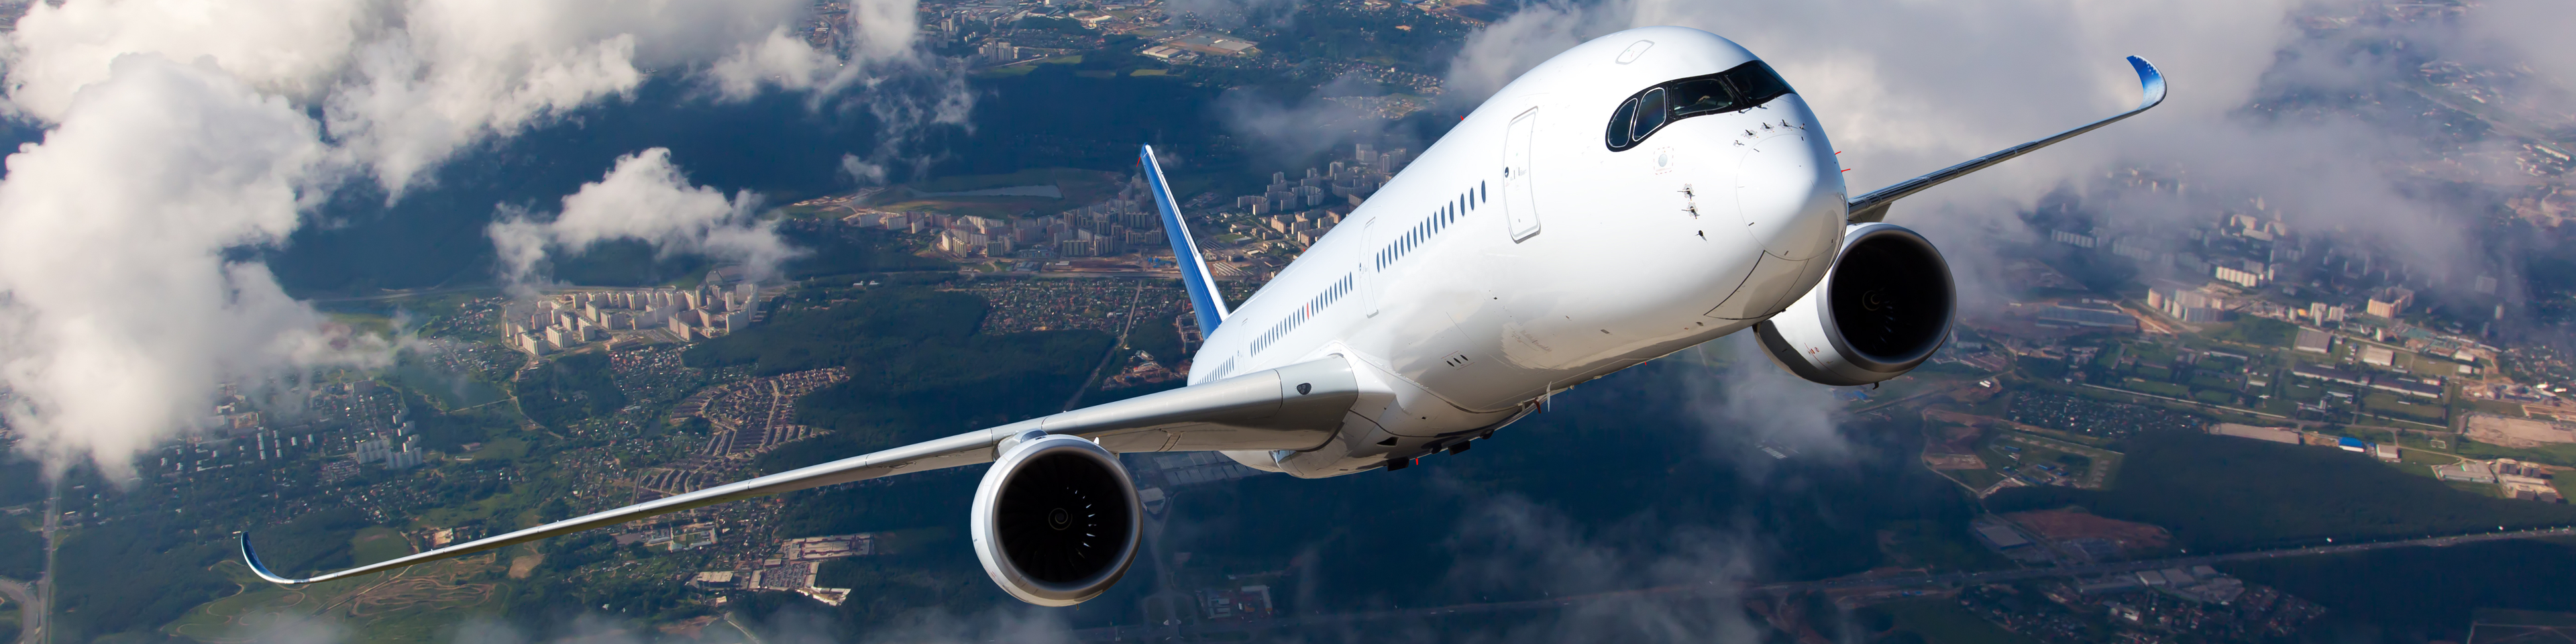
x=252, y=559
x=1194, y=271
x=2152, y=82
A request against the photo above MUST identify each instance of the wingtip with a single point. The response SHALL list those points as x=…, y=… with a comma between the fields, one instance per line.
x=251, y=558
x=2150, y=81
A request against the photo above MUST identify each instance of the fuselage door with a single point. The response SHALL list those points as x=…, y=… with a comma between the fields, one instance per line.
x=1520, y=205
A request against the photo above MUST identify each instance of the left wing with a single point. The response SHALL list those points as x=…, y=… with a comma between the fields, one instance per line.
x=1873, y=206
x=1293, y=407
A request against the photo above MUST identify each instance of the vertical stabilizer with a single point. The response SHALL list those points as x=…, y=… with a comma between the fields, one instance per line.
x=1194, y=271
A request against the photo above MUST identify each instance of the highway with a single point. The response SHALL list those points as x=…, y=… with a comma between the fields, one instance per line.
x=1727, y=588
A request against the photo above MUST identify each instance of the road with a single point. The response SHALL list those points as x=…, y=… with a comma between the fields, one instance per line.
x=25, y=596
x=1126, y=324
x=38, y=615
x=1725, y=588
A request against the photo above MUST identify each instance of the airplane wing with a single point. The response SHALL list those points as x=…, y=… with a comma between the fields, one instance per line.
x=1294, y=407
x=1873, y=206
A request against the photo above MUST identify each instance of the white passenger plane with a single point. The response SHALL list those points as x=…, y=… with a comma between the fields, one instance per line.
x=1636, y=195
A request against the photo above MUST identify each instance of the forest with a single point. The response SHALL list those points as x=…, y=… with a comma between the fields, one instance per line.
x=2219, y=493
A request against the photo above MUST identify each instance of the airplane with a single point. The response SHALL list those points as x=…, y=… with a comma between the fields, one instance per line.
x=1636, y=195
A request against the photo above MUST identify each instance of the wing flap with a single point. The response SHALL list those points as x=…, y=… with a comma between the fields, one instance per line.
x=1873, y=206
x=1293, y=407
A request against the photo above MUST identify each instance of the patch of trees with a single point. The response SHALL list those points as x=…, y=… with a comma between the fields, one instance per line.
x=918, y=369
x=2224, y=493
x=138, y=573
x=569, y=389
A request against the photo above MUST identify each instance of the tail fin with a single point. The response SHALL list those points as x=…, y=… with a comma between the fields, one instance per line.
x=1194, y=271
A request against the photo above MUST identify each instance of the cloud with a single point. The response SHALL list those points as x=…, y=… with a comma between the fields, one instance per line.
x=120, y=308
x=1293, y=132
x=646, y=198
x=1744, y=400
x=189, y=136
x=1509, y=547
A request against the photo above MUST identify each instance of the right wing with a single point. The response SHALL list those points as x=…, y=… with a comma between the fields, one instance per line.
x=1294, y=407
x=1873, y=206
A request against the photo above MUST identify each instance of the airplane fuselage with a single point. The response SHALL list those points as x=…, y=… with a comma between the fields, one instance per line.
x=1539, y=245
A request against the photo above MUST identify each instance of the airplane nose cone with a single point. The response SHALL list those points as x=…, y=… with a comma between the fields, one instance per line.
x=1790, y=194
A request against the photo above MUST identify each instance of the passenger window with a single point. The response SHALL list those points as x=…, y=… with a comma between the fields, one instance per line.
x=1650, y=114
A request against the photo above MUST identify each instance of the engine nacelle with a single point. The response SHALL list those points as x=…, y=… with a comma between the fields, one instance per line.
x=1883, y=309
x=1056, y=520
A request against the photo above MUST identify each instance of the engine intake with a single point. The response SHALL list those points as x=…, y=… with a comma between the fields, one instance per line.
x=1056, y=520
x=1883, y=309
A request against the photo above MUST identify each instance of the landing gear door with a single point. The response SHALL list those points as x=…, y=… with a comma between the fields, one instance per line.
x=1520, y=205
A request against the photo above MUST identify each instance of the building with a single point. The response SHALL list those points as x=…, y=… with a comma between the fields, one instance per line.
x=2353, y=445
x=372, y=450
x=2407, y=386
x=2314, y=340
x=409, y=457
x=2248, y=279
x=2389, y=302
x=2273, y=434
x=2465, y=471
x=2385, y=452
x=2088, y=315
x=2378, y=356
x=2330, y=374
x=2188, y=305
x=714, y=579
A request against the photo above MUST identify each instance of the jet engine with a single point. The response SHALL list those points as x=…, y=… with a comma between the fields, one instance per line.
x=1883, y=308
x=1056, y=520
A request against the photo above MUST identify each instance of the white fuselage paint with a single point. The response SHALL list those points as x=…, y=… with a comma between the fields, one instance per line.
x=1527, y=257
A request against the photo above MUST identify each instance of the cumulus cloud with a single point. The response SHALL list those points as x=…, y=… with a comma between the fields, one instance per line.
x=1744, y=399
x=1511, y=547
x=119, y=307
x=646, y=198
x=190, y=135
x=1293, y=132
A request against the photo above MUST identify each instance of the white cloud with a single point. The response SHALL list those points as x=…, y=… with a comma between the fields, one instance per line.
x=182, y=142
x=288, y=47
x=646, y=198
x=119, y=311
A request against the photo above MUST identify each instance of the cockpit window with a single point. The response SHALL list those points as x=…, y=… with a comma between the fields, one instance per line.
x=1618, y=135
x=1745, y=87
x=1650, y=112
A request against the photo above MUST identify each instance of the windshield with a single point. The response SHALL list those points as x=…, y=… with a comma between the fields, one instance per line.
x=1745, y=87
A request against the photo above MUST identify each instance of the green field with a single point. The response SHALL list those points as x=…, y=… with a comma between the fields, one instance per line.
x=377, y=544
x=1941, y=620
x=2225, y=493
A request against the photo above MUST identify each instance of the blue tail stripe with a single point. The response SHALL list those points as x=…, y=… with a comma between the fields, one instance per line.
x=1185, y=251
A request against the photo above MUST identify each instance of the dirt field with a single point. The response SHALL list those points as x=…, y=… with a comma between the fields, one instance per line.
x=2069, y=524
x=2519, y=433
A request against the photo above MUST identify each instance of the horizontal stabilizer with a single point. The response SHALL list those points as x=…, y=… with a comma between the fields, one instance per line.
x=1293, y=407
x=1873, y=206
